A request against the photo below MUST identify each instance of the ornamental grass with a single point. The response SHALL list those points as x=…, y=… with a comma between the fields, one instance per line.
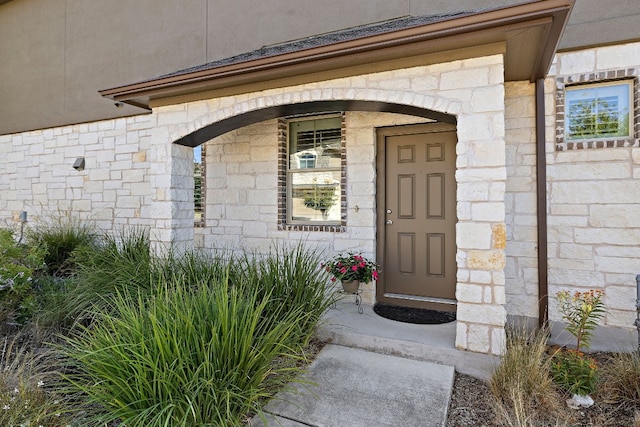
x=187, y=356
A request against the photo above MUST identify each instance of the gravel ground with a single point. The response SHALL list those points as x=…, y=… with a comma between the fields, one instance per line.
x=472, y=405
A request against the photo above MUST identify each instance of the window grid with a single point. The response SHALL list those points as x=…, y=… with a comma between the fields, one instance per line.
x=600, y=77
x=595, y=108
x=282, y=184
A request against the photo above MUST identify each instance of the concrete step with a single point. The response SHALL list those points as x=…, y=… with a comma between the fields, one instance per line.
x=343, y=325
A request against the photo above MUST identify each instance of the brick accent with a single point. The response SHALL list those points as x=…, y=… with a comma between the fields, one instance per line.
x=597, y=77
x=282, y=184
x=203, y=188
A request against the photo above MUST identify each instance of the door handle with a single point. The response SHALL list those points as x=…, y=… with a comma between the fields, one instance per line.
x=389, y=222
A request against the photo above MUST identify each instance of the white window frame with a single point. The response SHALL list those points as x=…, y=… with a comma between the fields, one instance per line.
x=596, y=94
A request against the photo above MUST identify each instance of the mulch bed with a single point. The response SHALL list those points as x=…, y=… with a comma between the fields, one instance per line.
x=472, y=405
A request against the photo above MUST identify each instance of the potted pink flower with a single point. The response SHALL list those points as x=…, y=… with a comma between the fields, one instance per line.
x=352, y=269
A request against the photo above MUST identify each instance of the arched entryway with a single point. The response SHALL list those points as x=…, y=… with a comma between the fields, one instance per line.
x=218, y=128
x=401, y=254
x=454, y=94
x=446, y=67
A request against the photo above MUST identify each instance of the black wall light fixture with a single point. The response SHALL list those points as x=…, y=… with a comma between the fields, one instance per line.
x=79, y=164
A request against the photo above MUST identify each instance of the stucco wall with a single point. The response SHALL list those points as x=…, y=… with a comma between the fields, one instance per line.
x=57, y=54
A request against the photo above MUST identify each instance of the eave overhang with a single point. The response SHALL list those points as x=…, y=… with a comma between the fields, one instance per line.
x=530, y=33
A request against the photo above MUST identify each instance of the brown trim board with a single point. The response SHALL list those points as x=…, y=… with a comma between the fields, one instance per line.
x=541, y=193
x=532, y=31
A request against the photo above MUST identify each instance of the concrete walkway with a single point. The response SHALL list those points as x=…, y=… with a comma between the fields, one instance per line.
x=347, y=387
x=376, y=372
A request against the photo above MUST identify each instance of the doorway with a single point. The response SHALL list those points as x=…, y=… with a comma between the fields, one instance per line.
x=416, y=199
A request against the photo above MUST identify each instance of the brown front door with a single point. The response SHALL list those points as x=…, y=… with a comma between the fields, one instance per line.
x=417, y=216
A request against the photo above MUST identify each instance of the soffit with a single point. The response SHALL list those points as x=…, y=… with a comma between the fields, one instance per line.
x=529, y=32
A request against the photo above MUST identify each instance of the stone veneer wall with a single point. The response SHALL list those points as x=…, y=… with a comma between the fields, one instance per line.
x=113, y=190
x=241, y=173
x=593, y=203
x=242, y=190
x=594, y=206
x=135, y=175
x=521, y=210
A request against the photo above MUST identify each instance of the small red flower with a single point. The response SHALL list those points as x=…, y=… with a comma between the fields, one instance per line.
x=352, y=267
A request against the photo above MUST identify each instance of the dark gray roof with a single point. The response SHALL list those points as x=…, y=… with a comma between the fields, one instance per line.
x=326, y=39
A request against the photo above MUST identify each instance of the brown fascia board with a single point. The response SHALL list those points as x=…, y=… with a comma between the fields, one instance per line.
x=480, y=28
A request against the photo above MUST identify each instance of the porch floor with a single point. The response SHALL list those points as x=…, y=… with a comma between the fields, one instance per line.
x=344, y=326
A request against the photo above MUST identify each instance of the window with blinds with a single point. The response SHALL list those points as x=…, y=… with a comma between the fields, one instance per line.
x=314, y=170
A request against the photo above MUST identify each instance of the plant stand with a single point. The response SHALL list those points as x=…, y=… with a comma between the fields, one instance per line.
x=353, y=288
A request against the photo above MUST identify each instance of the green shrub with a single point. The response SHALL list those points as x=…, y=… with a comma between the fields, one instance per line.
x=196, y=267
x=19, y=264
x=50, y=299
x=60, y=236
x=571, y=369
x=291, y=275
x=186, y=356
x=123, y=263
x=117, y=263
x=294, y=279
x=582, y=310
x=574, y=372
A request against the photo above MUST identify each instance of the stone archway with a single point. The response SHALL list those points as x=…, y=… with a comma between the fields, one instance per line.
x=469, y=94
x=213, y=130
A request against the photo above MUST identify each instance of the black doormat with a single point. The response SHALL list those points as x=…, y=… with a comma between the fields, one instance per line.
x=414, y=315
